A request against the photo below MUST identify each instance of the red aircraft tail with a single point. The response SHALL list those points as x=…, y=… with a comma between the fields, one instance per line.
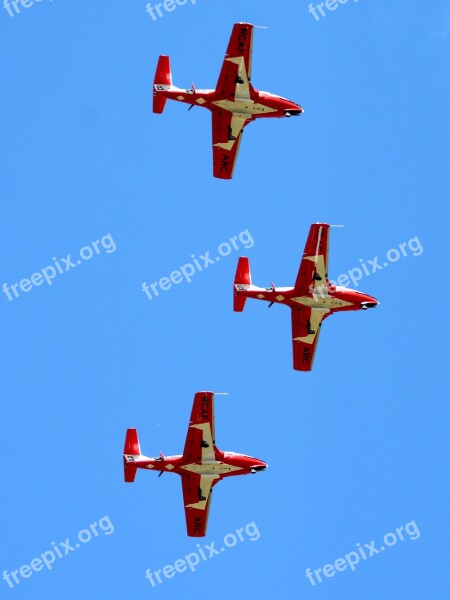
x=132, y=448
x=162, y=81
x=242, y=277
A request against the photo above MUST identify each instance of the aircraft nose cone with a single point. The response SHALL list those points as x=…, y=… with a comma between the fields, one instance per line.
x=295, y=111
x=259, y=466
x=369, y=303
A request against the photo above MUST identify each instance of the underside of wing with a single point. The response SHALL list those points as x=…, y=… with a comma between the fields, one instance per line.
x=197, y=500
x=306, y=323
x=313, y=273
x=234, y=78
x=226, y=138
x=200, y=437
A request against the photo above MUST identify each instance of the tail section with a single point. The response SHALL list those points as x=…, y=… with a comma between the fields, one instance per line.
x=131, y=451
x=161, y=83
x=242, y=280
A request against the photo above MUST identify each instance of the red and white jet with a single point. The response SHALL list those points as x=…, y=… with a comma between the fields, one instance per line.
x=311, y=300
x=234, y=103
x=201, y=465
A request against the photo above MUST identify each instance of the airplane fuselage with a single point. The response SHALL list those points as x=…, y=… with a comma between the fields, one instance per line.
x=329, y=298
x=253, y=105
x=223, y=465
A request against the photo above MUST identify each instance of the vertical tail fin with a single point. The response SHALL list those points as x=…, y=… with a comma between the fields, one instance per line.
x=242, y=280
x=131, y=450
x=161, y=82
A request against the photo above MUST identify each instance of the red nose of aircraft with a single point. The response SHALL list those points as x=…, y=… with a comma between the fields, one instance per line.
x=368, y=302
x=258, y=465
x=292, y=110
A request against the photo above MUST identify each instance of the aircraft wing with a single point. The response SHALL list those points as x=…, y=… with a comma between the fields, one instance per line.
x=236, y=69
x=199, y=446
x=306, y=323
x=313, y=272
x=197, y=499
x=200, y=437
x=226, y=138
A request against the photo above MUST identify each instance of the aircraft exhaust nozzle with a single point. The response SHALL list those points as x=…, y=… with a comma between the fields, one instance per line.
x=161, y=82
x=242, y=281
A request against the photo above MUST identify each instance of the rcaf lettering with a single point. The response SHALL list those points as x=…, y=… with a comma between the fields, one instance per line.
x=306, y=354
x=242, y=40
x=224, y=164
x=204, y=407
x=197, y=525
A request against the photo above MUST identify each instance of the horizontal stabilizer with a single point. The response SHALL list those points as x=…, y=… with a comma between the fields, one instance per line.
x=159, y=102
x=242, y=278
x=243, y=275
x=131, y=449
x=239, y=302
x=129, y=473
x=132, y=445
x=161, y=82
x=163, y=74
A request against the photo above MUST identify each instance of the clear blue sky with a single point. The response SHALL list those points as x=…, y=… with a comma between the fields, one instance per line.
x=358, y=447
